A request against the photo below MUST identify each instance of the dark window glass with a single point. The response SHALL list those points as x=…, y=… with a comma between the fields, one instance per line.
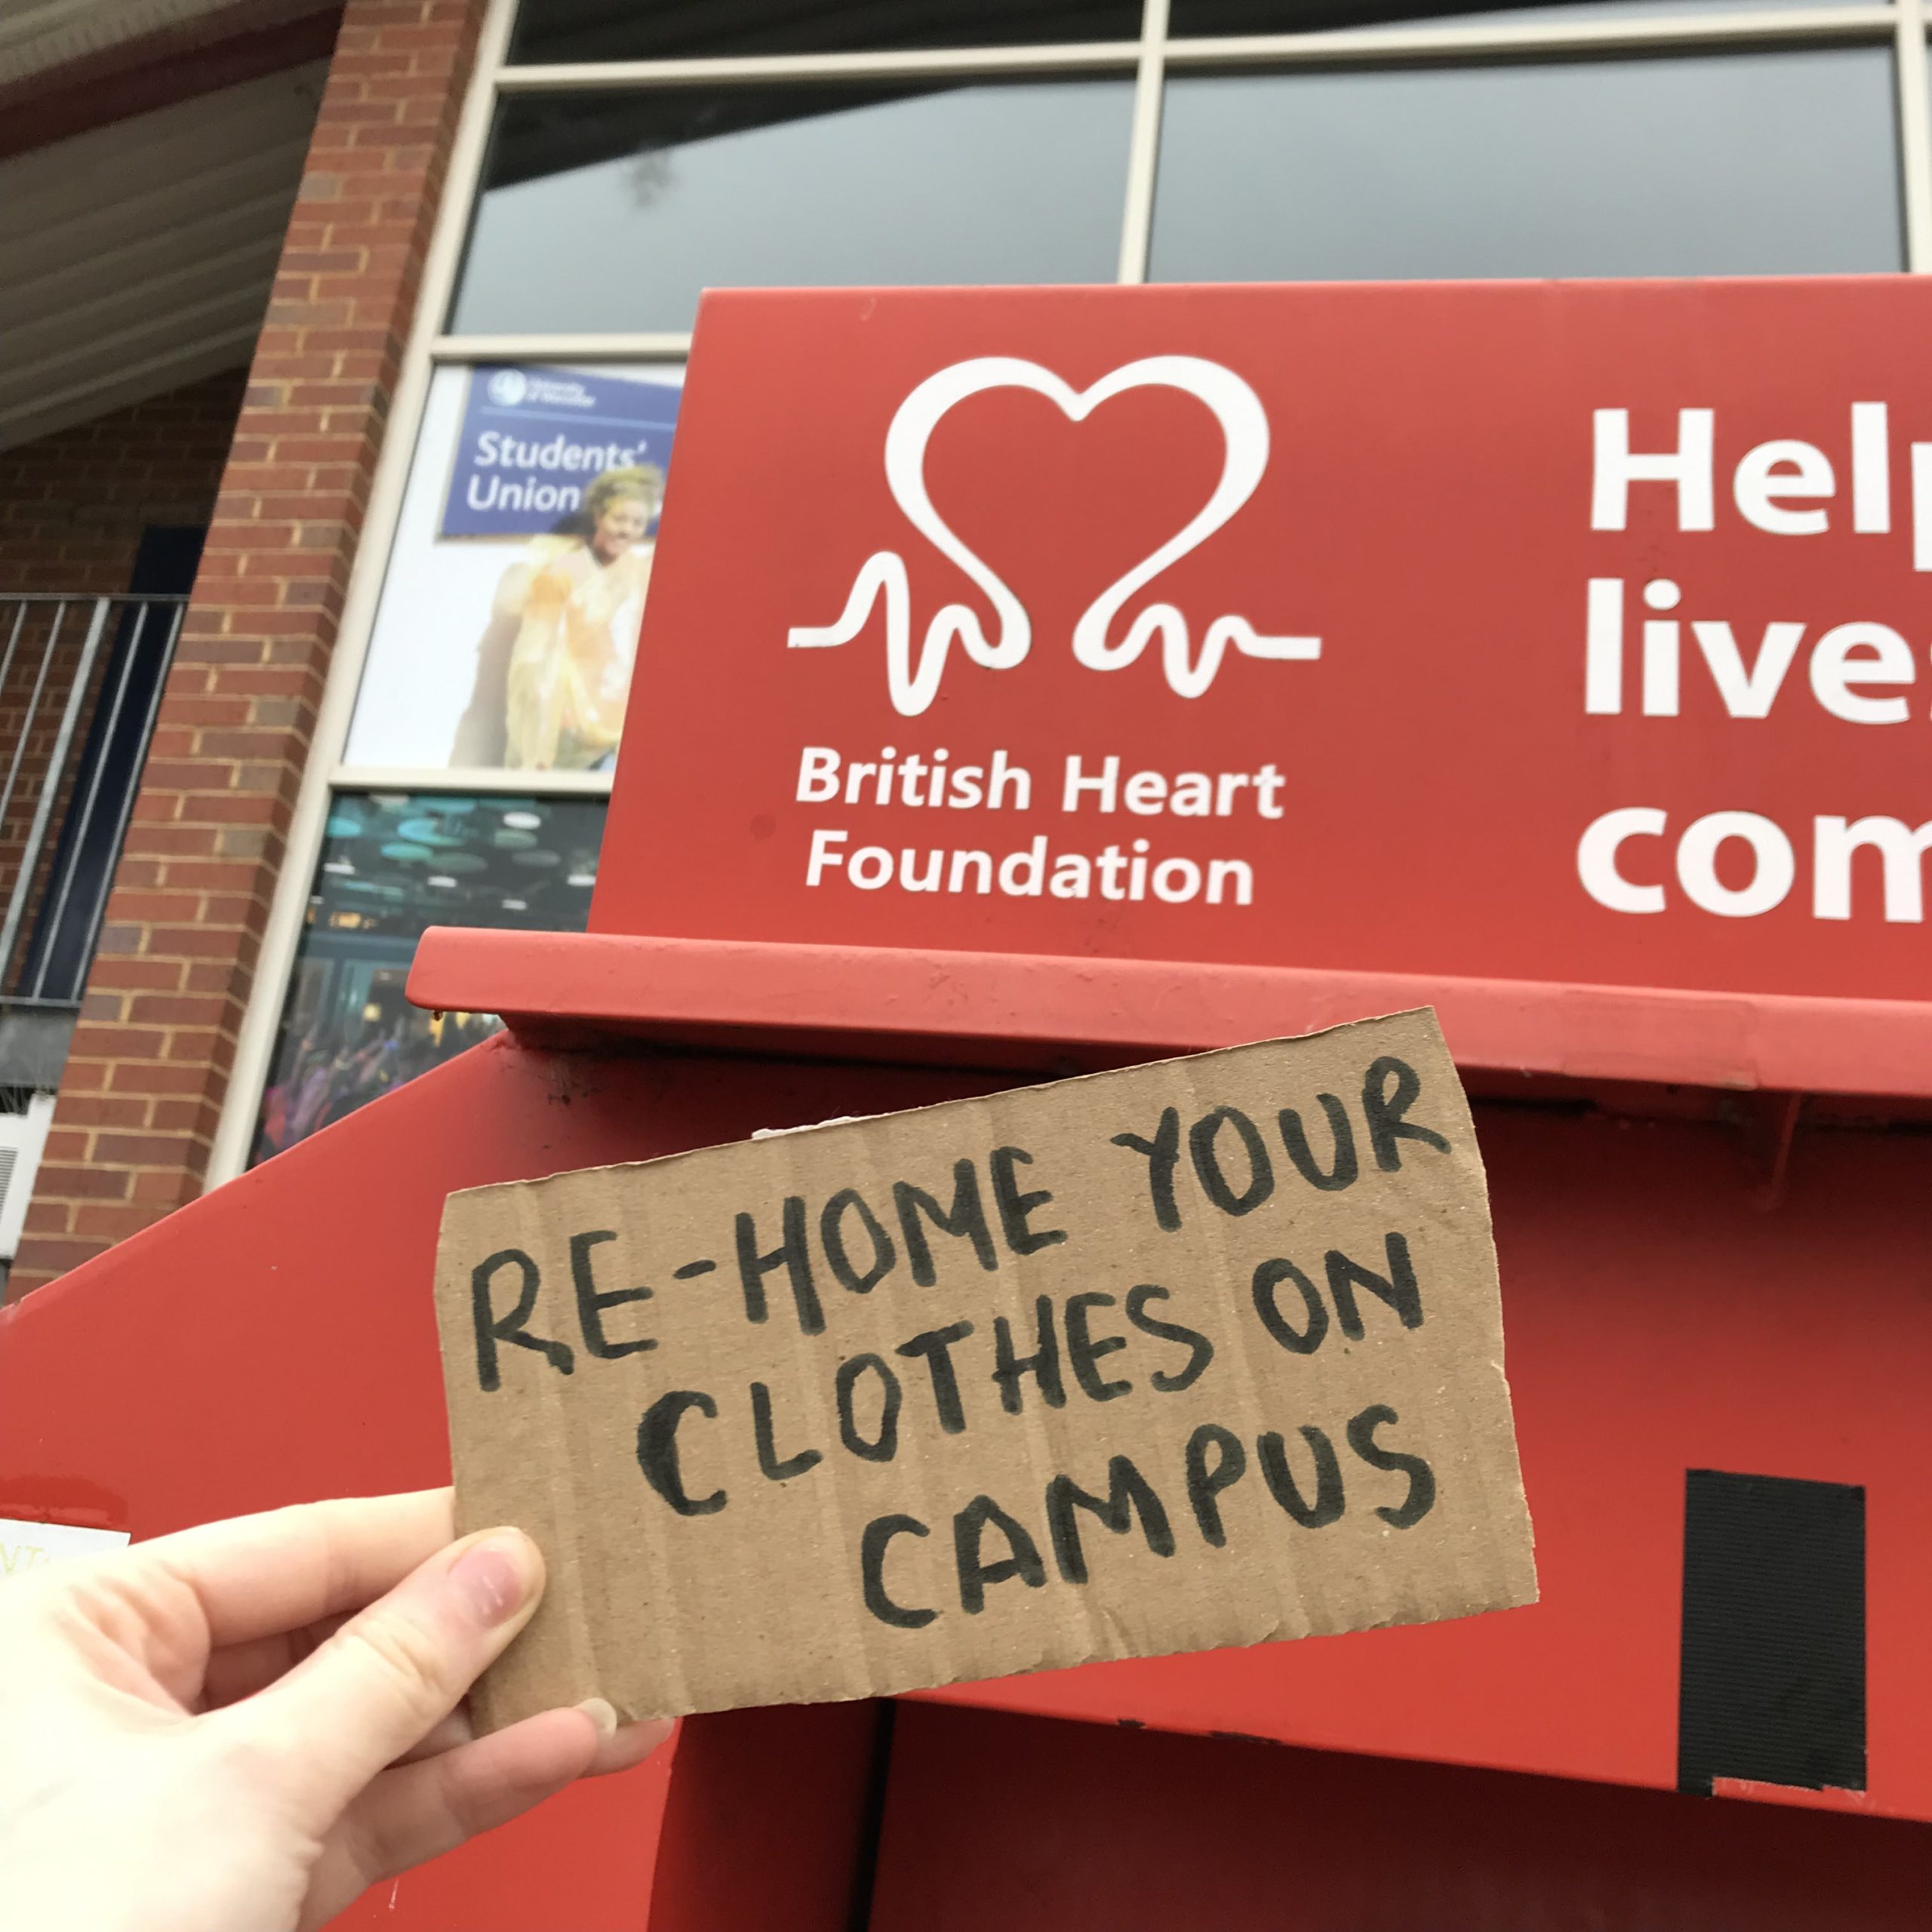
x=549, y=30
x=612, y=211
x=1197, y=19
x=392, y=865
x=1716, y=165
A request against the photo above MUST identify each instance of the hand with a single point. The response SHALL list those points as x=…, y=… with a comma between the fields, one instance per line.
x=238, y=1728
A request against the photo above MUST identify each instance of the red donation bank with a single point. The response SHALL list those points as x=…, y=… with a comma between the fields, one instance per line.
x=1041, y=681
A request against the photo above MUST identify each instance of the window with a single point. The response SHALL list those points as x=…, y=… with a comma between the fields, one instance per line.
x=1729, y=164
x=1190, y=18
x=602, y=212
x=392, y=865
x=559, y=30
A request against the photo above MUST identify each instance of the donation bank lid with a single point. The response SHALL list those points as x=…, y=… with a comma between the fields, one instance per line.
x=1202, y=1353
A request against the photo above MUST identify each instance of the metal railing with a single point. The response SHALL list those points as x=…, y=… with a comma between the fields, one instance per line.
x=81, y=683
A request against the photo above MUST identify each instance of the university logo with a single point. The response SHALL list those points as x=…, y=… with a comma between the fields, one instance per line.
x=508, y=387
x=913, y=682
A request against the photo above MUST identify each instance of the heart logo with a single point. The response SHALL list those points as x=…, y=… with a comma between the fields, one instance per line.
x=1243, y=425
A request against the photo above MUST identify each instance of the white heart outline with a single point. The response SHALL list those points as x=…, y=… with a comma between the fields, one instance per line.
x=1244, y=425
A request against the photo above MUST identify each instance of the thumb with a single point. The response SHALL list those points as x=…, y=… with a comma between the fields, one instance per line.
x=394, y=1670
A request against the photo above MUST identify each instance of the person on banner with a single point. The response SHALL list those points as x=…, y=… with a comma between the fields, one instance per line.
x=553, y=670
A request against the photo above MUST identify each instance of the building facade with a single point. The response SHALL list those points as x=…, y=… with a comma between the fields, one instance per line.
x=371, y=326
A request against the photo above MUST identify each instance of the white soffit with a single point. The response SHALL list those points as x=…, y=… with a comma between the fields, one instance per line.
x=37, y=35
x=139, y=256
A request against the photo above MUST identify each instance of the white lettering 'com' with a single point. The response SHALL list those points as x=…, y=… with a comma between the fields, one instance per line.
x=1244, y=434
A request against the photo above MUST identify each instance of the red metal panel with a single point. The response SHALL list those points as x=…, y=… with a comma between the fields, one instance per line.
x=1412, y=802
x=1033, y=1826
x=1020, y=1011
x=1658, y=1318
x=769, y=1821
x=275, y=1342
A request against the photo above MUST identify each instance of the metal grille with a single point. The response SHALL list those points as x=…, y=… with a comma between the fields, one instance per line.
x=80, y=680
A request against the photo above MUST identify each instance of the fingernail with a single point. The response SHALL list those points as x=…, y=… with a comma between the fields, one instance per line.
x=493, y=1577
x=636, y=1742
x=602, y=1714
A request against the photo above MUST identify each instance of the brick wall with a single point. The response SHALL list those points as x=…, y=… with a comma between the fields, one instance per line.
x=137, y=1109
x=72, y=508
x=73, y=505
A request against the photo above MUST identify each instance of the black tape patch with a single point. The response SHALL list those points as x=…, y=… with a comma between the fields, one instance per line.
x=1771, y=1684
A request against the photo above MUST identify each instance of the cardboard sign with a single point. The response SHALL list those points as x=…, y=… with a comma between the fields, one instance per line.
x=1198, y=1354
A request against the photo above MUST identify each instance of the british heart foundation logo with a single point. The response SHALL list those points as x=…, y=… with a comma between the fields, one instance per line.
x=914, y=682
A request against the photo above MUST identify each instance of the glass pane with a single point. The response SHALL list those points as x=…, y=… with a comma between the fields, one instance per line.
x=677, y=29
x=1721, y=165
x=392, y=865
x=509, y=613
x=1200, y=18
x=612, y=211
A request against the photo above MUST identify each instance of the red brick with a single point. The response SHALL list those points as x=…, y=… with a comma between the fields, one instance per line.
x=195, y=1118
x=164, y=776
x=136, y=972
x=50, y=1214
x=145, y=1077
x=51, y=1217
x=210, y=874
x=115, y=1043
x=289, y=682
x=138, y=1150
x=200, y=1044
x=260, y=743
x=116, y=1222
x=166, y=1188
x=253, y=810
x=146, y=907
x=191, y=942
x=85, y=1110
x=178, y=1009
x=245, y=536
x=230, y=908
x=87, y=1182
x=165, y=840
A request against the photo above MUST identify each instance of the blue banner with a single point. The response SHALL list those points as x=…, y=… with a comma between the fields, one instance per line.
x=534, y=439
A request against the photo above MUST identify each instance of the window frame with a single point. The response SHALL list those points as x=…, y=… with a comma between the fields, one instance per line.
x=1902, y=25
